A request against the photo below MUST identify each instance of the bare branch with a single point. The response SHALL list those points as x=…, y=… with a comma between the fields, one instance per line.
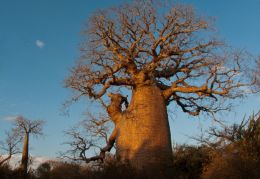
x=23, y=125
x=170, y=46
x=10, y=146
x=86, y=136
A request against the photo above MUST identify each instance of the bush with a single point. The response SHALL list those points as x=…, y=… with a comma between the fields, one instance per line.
x=230, y=165
x=7, y=173
x=239, y=157
x=188, y=161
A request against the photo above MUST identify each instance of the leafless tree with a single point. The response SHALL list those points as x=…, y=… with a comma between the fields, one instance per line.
x=246, y=131
x=87, y=136
x=9, y=146
x=24, y=128
x=161, y=54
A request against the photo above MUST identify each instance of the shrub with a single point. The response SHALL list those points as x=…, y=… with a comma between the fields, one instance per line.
x=188, y=161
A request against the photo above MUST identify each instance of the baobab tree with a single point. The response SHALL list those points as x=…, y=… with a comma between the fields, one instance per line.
x=161, y=55
x=9, y=146
x=24, y=128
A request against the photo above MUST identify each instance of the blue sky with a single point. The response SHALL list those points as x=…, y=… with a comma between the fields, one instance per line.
x=39, y=42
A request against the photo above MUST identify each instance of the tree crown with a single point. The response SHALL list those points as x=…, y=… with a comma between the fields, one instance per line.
x=148, y=43
x=26, y=126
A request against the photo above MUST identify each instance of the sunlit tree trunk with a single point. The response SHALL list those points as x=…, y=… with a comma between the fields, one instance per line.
x=143, y=133
x=25, y=154
x=24, y=128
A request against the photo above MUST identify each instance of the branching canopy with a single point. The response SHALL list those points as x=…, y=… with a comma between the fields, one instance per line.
x=243, y=137
x=86, y=136
x=148, y=43
x=23, y=126
x=9, y=146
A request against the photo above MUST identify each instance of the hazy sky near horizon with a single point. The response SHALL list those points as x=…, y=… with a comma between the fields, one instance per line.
x=39, y=42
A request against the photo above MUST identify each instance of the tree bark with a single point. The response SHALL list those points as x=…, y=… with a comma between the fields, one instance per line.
x=25, y=155
x=143, y=134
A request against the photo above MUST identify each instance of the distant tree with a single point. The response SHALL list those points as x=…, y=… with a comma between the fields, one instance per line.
x=9, y=146
x=24, y=128
x=162, y=54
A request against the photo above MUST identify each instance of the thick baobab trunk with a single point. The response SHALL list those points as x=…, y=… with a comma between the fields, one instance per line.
x=143, y=134
x=25, y=154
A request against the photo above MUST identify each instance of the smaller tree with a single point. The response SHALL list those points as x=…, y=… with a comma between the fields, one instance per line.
x=88, y=136
x=24, y=128
x=9, y=146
